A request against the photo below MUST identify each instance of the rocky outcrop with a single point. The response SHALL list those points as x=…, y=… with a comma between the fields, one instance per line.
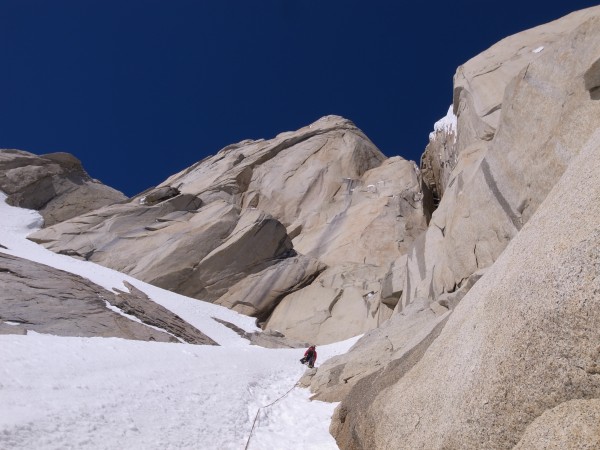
x=506, y=154
x=339, y=302
x=266, y=339
x=509, y=154
x=522, y=342
x=384, y=214
x=300, y=221
x=306, y=378
x=139, y=305
x=46, y=300
x=395, y=340
x=39, y=298
x=401, y=338
x=495, y=367
x=55, y=184
x=196, y=252
x=259, y=294
x=480, y=84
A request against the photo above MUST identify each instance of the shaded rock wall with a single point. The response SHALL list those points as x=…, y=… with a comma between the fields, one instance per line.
x=46, y=300
x=40, y=298
x=136, y=303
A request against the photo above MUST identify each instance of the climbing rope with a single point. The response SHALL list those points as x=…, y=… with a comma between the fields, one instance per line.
x=263, y=407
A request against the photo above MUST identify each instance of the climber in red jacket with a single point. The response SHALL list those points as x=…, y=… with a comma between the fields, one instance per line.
x=310, y=356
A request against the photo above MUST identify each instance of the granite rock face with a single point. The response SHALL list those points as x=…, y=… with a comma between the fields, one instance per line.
x=259, y=294
x=572, y=425
x=341, y=300
x=262, y=226
x=503, y=174
x=136, y=303
x=394, y=340
x=497, y=165
x=55, y=184
x=480, y=84
x=523, y=341
x=520, y=211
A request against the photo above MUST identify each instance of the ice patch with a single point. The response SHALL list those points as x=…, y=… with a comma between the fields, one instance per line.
x=537, y=50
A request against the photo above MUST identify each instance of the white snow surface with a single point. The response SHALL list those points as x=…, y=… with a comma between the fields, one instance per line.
x=108, y=393
x=447, y=124
x=537, y=50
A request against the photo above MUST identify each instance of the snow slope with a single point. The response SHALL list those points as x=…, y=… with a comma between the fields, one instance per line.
x=108, y=393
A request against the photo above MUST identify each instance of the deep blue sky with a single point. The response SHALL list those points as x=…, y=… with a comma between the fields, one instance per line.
x=139, y=90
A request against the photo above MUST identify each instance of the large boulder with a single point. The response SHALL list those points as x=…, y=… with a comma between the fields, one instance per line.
x=523, y=341
x=55, y=184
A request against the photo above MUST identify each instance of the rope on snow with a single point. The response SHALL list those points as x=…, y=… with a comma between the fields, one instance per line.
x=263, y=407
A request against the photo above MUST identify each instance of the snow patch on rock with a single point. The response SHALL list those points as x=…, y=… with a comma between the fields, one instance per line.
x=446, y=124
